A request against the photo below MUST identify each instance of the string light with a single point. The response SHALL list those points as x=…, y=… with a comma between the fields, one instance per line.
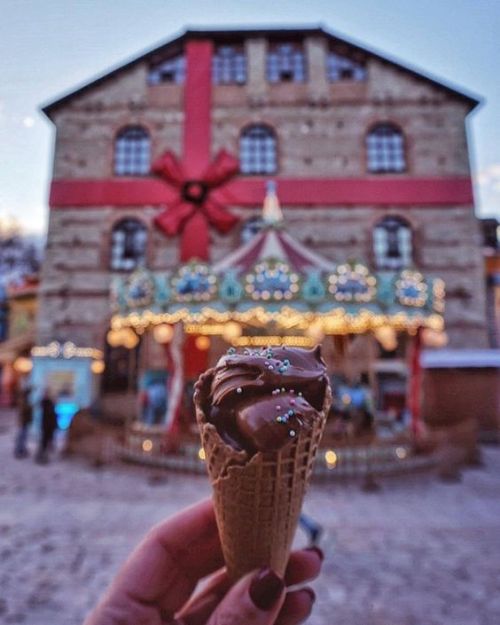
x=338, y=321
x=231, y=331
x=401, y=453
x=147, y=445
x=352, y=284
x=202, y=343
x=66, y=350
x=141, y=289
x=386, y=336
x=22, y=365
x=194, y=283
x=438, y=292
x=434, y=338
x=262, y=341
x=330, y=458
x=271, y=279
x=163, y=333
x=411, y=289
x=97, y=367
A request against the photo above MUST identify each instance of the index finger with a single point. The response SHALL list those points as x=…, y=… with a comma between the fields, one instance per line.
x=165, y=568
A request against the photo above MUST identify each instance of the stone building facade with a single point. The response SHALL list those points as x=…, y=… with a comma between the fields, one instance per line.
x=321, y=98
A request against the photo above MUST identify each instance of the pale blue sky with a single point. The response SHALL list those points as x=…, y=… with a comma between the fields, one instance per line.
x=47, y=47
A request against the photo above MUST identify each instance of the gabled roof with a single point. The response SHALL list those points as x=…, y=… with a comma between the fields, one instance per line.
x=226, y=35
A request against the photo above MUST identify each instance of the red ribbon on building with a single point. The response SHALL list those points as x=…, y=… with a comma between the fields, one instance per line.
x=196, y=176
x=195, y=208
x=196, y=189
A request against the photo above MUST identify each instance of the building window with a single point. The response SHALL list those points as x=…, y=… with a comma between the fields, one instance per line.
x=385, y=148
x=258, y=150
x=286, y=63
x=340, y=67
x=132, y=152
x=392, y=243
x=229, y=66
x=172, y=70
x=128, y=245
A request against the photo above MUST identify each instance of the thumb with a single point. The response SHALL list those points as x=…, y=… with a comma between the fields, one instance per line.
x=255, y=599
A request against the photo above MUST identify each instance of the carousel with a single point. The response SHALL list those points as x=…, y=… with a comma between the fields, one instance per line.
x=275, y=291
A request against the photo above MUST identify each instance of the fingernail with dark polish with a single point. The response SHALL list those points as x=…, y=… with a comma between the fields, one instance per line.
x=317, y=550
x=311, y=594
x=266, y=588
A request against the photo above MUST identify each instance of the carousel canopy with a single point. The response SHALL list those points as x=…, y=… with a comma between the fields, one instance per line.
x=274, y=279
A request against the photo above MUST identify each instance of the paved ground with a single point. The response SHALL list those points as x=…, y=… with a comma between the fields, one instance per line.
x=419, y=552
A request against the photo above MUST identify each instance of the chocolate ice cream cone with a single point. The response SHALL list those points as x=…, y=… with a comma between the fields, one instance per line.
x=257, y=497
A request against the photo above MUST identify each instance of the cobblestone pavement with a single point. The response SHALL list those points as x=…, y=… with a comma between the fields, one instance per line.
x=418, y=552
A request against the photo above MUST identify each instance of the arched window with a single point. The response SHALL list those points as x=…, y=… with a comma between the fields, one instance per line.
x=258, y=150
x=385, y=148
x=132, y=152
x=128, y=245
x=392, y=243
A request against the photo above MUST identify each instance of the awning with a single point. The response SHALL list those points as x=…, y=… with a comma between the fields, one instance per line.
x=461, y=358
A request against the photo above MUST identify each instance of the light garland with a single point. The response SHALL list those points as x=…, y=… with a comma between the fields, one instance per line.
x=264, y=341
x=66, y=350
x=125, y=336
x=411, y=289
x=352, y=284
x=337, y=321
x=194, y=283
x=141, y=288
x=438, y=293
x=272, y=279
x=207, y=329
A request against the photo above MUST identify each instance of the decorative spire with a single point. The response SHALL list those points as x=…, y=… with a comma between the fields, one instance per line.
x=271, y=210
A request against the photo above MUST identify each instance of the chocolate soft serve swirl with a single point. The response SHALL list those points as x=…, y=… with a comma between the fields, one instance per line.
x=260, y=400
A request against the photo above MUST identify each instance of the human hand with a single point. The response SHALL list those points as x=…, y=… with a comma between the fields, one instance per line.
x=155, y=584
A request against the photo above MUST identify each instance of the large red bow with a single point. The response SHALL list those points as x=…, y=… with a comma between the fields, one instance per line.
x=195, y=207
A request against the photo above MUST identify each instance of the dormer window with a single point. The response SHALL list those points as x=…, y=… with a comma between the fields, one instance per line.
x=340, y=67
x=172, y=70
x=229, y=65
x=286, y=63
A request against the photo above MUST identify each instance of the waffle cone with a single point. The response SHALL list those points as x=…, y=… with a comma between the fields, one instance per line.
x=257, y=499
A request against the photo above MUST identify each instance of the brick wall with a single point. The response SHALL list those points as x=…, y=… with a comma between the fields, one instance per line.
x=320, y=128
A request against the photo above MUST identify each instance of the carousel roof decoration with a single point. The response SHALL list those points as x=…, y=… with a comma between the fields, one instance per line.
x=276, y=279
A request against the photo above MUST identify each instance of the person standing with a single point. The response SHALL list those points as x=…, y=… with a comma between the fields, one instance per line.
x=25, y=417
x=48, y=427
